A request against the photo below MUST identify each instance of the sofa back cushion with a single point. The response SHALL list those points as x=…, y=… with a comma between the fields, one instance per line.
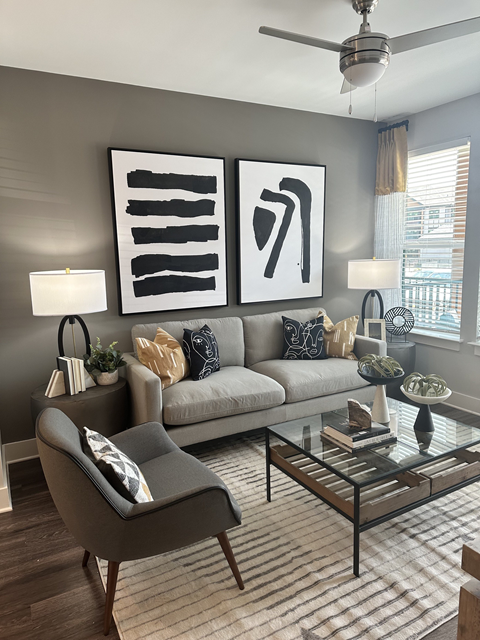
x=264, y=333
x=227, y=331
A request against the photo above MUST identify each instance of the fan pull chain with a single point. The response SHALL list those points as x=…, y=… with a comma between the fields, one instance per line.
x=375, y=114
x=350, y=106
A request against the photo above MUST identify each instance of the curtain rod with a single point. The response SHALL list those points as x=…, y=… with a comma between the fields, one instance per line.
x=394, y=126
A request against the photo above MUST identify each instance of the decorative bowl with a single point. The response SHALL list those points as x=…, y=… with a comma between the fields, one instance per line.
x=424, y=421
x=426, y=399
x=379, y=380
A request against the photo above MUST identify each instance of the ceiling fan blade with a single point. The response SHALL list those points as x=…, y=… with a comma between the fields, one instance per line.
x=309, y=40
x=430, y=36
x=346, y=87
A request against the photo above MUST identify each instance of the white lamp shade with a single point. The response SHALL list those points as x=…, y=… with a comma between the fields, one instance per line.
x=374, y=274
x=58, y=293
x=364, y=74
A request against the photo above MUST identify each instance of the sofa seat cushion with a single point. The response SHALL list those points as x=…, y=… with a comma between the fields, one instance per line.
x=230, y=391
x=303, y=379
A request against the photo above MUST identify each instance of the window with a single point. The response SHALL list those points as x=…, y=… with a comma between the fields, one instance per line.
x=436, y=205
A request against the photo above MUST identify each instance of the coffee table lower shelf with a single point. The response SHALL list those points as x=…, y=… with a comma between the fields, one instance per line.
x=368, y=506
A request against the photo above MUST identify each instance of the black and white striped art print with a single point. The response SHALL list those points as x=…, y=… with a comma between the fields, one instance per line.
x=169, y=215
x=280, y=210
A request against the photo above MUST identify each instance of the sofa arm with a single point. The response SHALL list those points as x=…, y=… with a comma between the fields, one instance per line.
x=364, y=345
x=145, y=391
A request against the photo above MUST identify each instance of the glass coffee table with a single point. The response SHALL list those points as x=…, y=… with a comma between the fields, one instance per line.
x=375, y=485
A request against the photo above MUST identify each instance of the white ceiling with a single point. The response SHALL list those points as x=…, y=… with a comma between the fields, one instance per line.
x=213, y=48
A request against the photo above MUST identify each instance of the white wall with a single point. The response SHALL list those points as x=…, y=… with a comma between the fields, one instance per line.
x=461, y=369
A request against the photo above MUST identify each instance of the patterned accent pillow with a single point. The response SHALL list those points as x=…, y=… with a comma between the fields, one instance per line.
x=164, y=356
x=339, y=339
x=201, y=349
x=303, y=340
x=125, y=470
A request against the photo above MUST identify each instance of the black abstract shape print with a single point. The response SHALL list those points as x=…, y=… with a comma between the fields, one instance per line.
x=264, y=221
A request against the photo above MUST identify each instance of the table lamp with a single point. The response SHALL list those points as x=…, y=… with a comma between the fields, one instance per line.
x=68, y=293
x=373, y=275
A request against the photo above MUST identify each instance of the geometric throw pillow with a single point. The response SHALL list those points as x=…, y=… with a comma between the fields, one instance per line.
x=201, y=349
x=123, y=468
x=164, y=356
x=339, y=339
x=303, y=340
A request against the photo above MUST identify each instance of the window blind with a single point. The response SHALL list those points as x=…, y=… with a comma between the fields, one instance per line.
x=435, y=215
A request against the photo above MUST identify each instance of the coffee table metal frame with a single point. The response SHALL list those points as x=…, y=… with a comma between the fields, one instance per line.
x=359, y=528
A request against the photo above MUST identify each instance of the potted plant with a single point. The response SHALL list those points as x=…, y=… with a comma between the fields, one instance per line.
x=379, y=370
x=425, y=390
x=104, y=363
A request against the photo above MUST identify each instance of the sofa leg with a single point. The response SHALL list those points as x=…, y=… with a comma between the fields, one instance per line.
x=86, y=556
x=111, y=586
x=227, y=550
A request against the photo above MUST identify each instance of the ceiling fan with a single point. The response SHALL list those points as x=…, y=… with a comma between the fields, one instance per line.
x=365, y=56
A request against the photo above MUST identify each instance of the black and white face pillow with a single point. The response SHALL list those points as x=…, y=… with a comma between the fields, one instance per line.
x=303, y=340
x=201, y=350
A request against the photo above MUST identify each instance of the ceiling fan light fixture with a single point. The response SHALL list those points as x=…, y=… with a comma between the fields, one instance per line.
x=365, y=56
x=364, y=74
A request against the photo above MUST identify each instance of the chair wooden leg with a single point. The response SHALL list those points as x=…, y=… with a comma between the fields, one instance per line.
x=227, y=550
x=86, y=556
x=111, y=586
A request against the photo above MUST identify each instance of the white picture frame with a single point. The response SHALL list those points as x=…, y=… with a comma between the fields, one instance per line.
x=375, y=328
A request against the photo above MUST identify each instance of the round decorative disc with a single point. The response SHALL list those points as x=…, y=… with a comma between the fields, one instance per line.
x=399, y=321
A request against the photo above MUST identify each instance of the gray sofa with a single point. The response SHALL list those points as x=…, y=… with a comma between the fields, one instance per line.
x=254, y=387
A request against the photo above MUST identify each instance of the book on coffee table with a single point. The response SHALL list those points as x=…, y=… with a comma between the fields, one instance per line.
x=362, y=445
x=338, y=427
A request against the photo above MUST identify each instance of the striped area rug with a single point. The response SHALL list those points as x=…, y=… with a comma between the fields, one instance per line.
x=295, y=556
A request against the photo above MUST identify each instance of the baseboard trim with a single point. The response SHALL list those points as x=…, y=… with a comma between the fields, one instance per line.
x=5, y=498
x=464, y=402
x=20, y=451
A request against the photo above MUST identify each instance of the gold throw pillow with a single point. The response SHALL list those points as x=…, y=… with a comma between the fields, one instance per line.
x=339, y=339
x=164, y=356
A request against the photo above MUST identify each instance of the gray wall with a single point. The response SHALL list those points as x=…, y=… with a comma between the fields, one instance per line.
x=55, y=200
x=448, y=122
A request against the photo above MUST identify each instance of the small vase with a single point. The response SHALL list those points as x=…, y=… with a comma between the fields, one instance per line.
x=107, y=377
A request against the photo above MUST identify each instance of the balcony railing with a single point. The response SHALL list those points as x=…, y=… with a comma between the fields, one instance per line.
x=434, y=302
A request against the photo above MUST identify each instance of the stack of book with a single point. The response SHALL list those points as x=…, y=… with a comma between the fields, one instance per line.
x=73, y=377
x=338, y=431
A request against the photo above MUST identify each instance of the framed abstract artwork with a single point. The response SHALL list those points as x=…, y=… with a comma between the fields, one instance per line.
x=280, y=227
x=169, y=218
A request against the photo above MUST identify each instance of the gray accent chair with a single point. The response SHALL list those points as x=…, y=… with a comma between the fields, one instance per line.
x=190, y=504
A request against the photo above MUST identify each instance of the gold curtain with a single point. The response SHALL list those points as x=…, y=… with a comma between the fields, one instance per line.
x=392, y=160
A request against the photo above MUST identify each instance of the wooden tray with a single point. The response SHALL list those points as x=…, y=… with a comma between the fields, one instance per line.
x=451, y=470
x=376, y=500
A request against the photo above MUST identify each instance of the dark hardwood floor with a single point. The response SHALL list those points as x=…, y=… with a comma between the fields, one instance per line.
x=44, y=592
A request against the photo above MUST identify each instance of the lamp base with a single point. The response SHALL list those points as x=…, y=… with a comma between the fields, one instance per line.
x=71, y=320
x=372, y=293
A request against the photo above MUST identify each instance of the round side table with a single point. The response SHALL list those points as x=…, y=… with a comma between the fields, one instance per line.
x=404, y=354
x=102, y=408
